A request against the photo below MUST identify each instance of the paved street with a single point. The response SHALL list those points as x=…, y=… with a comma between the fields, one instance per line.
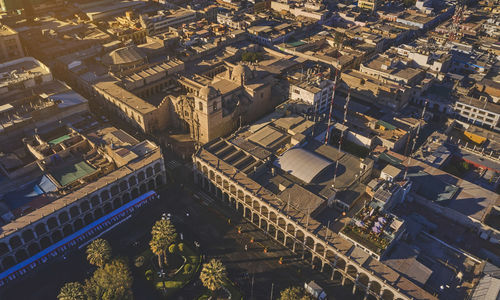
x=208, y=224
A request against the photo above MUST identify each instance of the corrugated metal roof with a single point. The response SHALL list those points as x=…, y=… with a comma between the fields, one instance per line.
x=302, y=164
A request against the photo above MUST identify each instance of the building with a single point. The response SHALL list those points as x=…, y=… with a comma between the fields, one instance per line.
x=370, y=5
x=10, y=45
x=31, y=98
x=138, y=94
x=313, y=90
x=215, y=107
x=164, y=19
x=284, y=194
x=477, y=111
x=65, y=177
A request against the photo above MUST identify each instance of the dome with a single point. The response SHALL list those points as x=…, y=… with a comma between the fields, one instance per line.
x=241, y=72
x=208, y=92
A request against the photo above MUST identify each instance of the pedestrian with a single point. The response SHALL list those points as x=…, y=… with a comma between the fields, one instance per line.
x=246, y=247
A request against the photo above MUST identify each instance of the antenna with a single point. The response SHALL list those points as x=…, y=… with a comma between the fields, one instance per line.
x=341, y=135
x=415, y=139
x=331, y=107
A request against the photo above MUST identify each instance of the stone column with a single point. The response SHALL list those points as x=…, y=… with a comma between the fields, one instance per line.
x=367, y=290
x=355, y=284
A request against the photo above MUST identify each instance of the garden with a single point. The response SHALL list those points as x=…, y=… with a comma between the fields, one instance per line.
x=177, y=269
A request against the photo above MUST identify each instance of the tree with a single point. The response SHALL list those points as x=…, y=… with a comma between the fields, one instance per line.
x=212, y=274
x=98, y=252
x=163, y=235
x=72, y=291
x=111, y=282
x=339, y=38
x=295, y=293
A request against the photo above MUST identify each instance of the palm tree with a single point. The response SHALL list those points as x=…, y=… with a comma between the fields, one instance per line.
x=98, y=252
x=72, y=291
x=163, y=235
x=213, y=274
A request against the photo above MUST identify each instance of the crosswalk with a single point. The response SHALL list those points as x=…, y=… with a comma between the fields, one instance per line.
x=173, y=164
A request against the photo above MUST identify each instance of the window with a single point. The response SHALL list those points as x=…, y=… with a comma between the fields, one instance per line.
x=200, y=106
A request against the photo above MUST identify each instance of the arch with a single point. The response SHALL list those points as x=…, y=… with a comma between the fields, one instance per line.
x=205, y=170
x=88, y=218
x=63, y=217
x=225, y=184
x=95, y=200
x=352, y=271
x=341, y=264
x=8, y=262
x=280, y=237
x=74, y=211
x=328, y=270
x=310, y=242
x=307, y=256
x=98, y=213
x=255, y=219
x=387, y=295
x=33, y=249
x=15, y=242
x=159, y=180
x=363, y=280
x=85, y=206
x=240, y=206
x=116, y=203
x=143, y=189
x=141, y=176
x=289, y=241
x=4, y=248
x=317, y=263
x=107, y=208
x=45, y=242
x=320, y=249
x=78, y=224
x=264, y=211
x=375, y=288
x=290, y=229
x=157, y=168
x=299, y=235
x=56, y=236
x=123, y=186
x=67, y=230
x=218, y=179
x=263, y=224
x=256, y=205
x=330, y=255
x=125, y=198
x=272, y=229
x=248, y=213
x=40, y=228
x=282, y=223
x=104, y=195
x=135, y=193
x=211, y=175
x=27, y=235
x=151, y=184
x=52, y=223
x=114, y=190
x=232, y=190
x=132, y=181
x=198, y=165
x=21, y=255
x=240, y=195
x=149, y=172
